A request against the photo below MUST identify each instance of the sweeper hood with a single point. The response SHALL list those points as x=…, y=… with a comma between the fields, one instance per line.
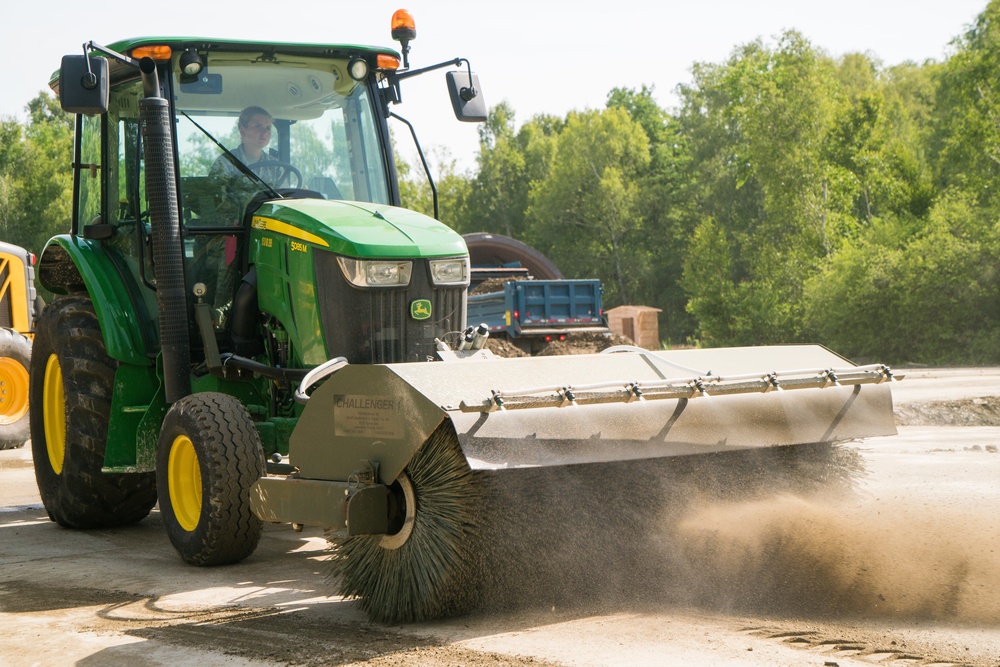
x=553, y=411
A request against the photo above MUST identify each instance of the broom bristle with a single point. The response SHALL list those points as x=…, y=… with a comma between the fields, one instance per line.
x=426, y=577
x=594, y=533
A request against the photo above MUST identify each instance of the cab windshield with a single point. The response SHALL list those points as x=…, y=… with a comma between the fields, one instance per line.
x=289, y=123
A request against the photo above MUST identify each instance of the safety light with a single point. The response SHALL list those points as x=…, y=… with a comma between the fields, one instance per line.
x=385, y=61
x=156, y=52
x=357, y=68
x=403, y=27
x=403, y=30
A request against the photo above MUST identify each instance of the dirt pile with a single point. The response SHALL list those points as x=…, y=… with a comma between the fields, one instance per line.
x=584, y=343
x=492, y=285
x=501, y=347
x=967, y=412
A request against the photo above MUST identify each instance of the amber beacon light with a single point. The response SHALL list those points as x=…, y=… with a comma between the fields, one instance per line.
x=404, y=29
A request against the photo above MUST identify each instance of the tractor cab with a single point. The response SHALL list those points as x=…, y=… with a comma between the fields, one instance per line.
x=251, y=123
x=253, y=127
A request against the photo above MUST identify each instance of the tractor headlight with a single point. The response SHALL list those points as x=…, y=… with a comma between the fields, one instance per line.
x=451, y=271
x=376, y=273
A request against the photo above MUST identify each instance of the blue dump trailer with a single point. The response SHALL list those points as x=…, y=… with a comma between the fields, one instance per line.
x=531, y=313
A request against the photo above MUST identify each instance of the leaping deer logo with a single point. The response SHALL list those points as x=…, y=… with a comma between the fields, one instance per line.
x=420, y=309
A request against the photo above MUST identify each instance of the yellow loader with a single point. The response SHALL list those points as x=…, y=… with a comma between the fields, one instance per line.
x=18, y=309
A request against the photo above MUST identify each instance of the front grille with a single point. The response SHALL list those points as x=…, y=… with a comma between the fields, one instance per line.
x=373, y=325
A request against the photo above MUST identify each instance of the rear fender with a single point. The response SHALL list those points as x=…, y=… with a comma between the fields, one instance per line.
x=73, y=264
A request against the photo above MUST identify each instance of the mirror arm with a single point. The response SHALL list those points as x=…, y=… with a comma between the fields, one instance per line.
x=430, y=68
x=94, y=46
x=394, y=78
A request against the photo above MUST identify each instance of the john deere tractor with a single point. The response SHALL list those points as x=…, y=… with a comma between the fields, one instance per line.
x=249, y=338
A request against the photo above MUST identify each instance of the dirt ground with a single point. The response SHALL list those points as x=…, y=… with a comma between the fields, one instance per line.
x=905, y=571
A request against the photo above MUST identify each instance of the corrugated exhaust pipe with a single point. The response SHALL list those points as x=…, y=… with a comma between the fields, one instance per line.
x=168, y=251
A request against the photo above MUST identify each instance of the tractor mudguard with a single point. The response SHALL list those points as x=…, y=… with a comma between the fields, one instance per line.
x=74, y=264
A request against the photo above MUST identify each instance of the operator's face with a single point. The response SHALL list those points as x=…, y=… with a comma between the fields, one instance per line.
x=257, y=133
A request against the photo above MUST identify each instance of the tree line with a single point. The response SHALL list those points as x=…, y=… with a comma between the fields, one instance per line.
x=791, y=196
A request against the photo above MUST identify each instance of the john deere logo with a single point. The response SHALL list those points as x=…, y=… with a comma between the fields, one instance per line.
x=420, y=309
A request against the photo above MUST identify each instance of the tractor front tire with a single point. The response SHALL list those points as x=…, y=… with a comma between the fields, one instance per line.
x=208, y=458
x=72, y=380
x=15, y=359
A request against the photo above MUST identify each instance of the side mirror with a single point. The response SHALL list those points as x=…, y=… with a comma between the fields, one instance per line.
x=83, y=89
x=466, y=96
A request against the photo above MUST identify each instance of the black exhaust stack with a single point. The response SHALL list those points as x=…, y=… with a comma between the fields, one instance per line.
x=168, y=251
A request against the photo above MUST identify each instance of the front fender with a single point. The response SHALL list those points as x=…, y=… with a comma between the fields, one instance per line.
x=74, y=264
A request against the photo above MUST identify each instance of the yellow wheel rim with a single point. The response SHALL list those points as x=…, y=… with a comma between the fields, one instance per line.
x=13, y=391
x=184, y=482
x=54, y=413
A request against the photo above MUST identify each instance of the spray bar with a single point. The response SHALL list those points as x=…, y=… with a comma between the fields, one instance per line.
x=612, y=392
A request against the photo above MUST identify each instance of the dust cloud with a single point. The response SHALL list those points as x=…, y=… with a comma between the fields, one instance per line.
x=865, y=557
x=608, y=534
x=780, y=531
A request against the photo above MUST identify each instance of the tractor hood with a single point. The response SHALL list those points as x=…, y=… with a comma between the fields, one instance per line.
x=359, y=229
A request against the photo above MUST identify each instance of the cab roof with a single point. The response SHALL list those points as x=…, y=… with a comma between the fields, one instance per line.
x=125, y=46
x=213, y=43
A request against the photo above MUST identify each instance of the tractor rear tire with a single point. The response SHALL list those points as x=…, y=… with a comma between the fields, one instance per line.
x=15, y=359
x=208, y=458
x=72, y=380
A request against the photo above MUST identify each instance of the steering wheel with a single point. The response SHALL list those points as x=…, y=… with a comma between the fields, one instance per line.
x=280, y=173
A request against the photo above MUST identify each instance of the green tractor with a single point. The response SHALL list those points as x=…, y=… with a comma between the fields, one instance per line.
x=249, y=328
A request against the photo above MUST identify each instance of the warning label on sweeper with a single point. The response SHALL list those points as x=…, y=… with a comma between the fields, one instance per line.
x=358, y=415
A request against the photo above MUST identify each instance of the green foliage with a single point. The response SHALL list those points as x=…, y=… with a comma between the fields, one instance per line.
x=667, y=207
x=452, y=188
x=499, y=193
x=929, y=296
x=35, y=174
x=509, y=162
x=756, y=126
x=586, y=216
x=966, y=139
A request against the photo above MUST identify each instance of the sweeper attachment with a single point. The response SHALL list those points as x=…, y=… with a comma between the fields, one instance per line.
x=401, y=461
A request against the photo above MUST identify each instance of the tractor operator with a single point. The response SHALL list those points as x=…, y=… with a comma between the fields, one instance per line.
x=214, y=256
x=255, y=125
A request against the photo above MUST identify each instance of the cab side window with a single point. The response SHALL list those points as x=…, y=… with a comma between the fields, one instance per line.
x=126, y=184
x=89, y=198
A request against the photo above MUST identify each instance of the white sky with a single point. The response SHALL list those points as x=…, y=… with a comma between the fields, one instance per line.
x=541, y=56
